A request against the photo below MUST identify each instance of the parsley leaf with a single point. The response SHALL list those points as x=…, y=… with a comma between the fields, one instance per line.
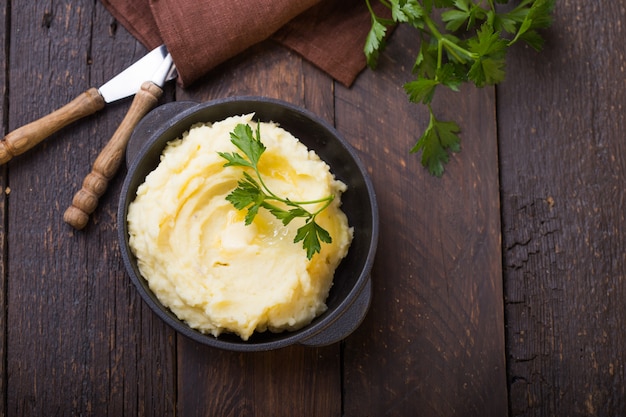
x=246, y=142
x=421, y=90
x=406, y=10
x=426, y=61
x=450, y=76
x=252, y=194
x=438, y=138
x=488, y=68
x=460, y=41
x=311, y=234
x=248, y=194
x=374, y=42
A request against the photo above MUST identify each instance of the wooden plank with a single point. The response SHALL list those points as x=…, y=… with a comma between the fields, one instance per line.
x=433, y=341
x=80, y=340
x=291, y=381
x=4, y=65
x=561, y=119
x=43, y=327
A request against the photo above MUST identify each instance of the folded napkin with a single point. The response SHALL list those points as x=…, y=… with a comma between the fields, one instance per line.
x=201, y=34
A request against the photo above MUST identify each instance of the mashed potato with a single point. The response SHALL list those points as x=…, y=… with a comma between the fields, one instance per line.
x=201, y=260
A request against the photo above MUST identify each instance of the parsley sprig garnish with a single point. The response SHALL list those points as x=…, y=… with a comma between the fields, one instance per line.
x=467, y=44
x=253, y=194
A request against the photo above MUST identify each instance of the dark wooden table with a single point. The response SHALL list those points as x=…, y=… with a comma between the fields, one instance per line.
x=498, y=289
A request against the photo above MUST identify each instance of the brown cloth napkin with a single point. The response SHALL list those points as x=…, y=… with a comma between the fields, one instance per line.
x=201, y=34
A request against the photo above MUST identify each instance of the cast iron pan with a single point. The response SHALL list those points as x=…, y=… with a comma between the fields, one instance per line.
x=349, y=298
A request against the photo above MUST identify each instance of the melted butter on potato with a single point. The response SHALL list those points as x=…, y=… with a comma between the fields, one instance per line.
x=201, y=260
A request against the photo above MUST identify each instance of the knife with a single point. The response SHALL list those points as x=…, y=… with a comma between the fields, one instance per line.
x=108, y=161
x=123, y=85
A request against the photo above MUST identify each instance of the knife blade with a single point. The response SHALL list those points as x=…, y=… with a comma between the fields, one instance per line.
x=127, y=82
x=123, y=85
x=109, y=160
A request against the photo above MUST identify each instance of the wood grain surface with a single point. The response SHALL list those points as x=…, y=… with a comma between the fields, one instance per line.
x=561, y=128
x=436, y=317
x=80, y=339
x=4, y=66
x=497, y=288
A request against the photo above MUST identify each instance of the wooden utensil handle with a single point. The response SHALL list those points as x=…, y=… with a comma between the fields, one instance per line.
x=108, y=161
x=27, y=136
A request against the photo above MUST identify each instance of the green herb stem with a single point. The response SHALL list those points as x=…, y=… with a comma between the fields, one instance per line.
x=251, y=194
x=453, y=48
x=327, y=199
x=475, y=42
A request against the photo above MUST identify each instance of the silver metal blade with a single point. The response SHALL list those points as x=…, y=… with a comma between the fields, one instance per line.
x=127, y=82
x=160, y=75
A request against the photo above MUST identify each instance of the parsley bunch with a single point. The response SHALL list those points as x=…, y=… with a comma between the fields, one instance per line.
x=252, y=193
x=466, y=43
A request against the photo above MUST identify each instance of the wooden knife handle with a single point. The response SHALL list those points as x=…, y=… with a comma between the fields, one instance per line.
x=27, y=136
x=108, y=161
